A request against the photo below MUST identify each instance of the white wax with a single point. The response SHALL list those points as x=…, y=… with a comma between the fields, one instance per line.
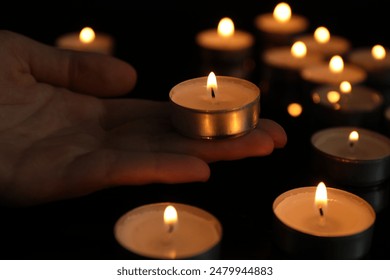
x=335, y=142
x=267, y=23
x=346, y=214
x=335, y=46
x=142, y=231
x=321, y=74
x=281, y=57
x=103, y=43
x=232, y=93
x=210, y=39
x=363, y=58
x=360, y=99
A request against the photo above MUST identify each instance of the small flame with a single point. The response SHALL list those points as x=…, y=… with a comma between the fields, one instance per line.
x=282, y=12
x=298, y=49
x=322, y=35
x=321, y=198
x=353, y=137
x=333, y=96
x=294, y=109
x=336, y=64
x=212, y=83
x=170, y=217
x=226, y=27
x=378, y=52
x=87, y=35
x=345, y=87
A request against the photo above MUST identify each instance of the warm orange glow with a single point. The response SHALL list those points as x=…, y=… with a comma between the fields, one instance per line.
x=282, y=12
x=345, y=87
x=226, y=27
x=333, y=96
x=294, y=109
x=336, y=64
x=212, y=84
x=316, y=98
x=87, y=35
x=378, y=52
x=170, y=217
x=321, y=197
x=298, y=49
x=353, y=137
x=322, y=35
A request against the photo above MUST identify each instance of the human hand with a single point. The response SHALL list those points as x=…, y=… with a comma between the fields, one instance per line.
x=61, y=137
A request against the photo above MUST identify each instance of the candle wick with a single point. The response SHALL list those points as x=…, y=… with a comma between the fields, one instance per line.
x=321, y=211
x=212, y=92
x=170, y=228
x=351, y=144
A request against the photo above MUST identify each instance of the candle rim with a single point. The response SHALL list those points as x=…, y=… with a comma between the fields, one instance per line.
x=376, y=135
x=160, y=206
x=312, y=189
x=249, y=84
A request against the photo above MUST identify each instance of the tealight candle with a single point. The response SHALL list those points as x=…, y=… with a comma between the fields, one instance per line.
x=279, y=27
x=333, y=73
x=87, y=40
x=169, y=231
x=351, y=156
x=215, y=106
x=320, y=222
x=226, y=48
x=321, y=41
x=347, y=105
x=375, y=61
x=292, y=58
x=281, y=72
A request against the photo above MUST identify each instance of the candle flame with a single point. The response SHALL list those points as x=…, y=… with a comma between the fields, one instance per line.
x=294, y=109
x=321, y=198
x=299, y=49
x=282, y=12
x=336, y=64
x=226, y=27
x=345, y=87
x=170, y=217
x=212, y=83
x=322, y=35
x=353, y=138
x=378, y=52
x=333, y=96
x=87, y=35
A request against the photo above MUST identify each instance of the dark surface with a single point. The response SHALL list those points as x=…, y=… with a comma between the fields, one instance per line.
x=160, y=44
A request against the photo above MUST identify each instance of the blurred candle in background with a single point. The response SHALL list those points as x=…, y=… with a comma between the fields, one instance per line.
x=226, y=50
x=87, y=40
x=323, y=42
x=279, y=27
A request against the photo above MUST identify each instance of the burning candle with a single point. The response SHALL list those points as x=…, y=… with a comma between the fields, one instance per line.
x=215, y=106
x=322, y=42
x=87, y=40
x=279, y=27
x=347, y=105
x=292, y=58
x=321, y=222
x=226, y=49
x=375, y=61
x=333, y=73
x=351, y=156
x=169, y=231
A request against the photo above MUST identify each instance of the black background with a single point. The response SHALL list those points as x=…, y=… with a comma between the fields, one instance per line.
x=159, y=40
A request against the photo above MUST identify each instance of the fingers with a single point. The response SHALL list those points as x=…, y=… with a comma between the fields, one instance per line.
x=109, y=167
x=95, y=74
x=275, y=130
